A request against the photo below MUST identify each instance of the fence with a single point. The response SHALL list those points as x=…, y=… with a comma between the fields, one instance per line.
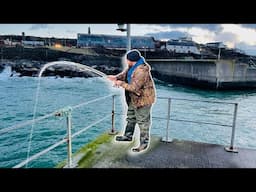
x=67, y=112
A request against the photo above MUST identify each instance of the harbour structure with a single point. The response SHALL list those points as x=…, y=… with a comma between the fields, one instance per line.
x=205, y=73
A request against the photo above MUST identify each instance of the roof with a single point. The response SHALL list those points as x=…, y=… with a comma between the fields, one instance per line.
x=187, y=43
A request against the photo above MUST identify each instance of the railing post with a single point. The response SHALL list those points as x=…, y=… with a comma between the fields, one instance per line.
x=231, y=147
x=69, y=141
x=113, y=132
x=168, y=121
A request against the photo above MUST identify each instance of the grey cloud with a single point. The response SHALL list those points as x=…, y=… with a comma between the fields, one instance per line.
x=250, y=26
x=211, y=27
x=219, y=35
x=227, y=36
x=167, y=35
x=39, y=26
x=71, y=31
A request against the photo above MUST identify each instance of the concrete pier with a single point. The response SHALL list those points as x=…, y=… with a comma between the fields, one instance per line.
x=176, y=154
x=211, y=74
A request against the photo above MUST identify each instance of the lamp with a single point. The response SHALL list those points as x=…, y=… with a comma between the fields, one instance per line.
x=121, y=27
x=128, y=29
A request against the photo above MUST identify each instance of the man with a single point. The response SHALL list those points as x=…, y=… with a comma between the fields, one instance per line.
x=140, y=95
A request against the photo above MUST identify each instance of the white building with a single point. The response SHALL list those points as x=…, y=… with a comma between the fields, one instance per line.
x=182, y=45
x=10, y=43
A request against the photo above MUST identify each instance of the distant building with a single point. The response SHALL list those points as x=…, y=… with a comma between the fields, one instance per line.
x=8, y=42
x=182, y=45
x=114, y=41
x=216, y=45
x=32, y=43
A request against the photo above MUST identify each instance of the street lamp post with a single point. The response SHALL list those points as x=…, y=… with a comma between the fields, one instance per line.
x=128, y=37
x=219, y=53
x=221, y=45
x=128, y=30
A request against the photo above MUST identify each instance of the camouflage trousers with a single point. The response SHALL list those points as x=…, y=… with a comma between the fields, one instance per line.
x=142, y=117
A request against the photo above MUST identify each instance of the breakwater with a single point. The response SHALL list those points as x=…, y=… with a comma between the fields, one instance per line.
x=212, y=74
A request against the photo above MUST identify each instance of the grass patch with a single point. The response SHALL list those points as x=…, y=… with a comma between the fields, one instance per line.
x=88, y=150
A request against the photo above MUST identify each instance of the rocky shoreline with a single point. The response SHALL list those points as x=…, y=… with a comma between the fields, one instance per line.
x=32, y=68
x=21, y=65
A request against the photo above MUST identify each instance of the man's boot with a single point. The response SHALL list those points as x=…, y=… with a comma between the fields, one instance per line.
x=123, y=138
x=129, y=130
x=144, y=141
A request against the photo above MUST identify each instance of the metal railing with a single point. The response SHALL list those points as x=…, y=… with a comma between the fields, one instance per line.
x=230, y=148
x=67, y=112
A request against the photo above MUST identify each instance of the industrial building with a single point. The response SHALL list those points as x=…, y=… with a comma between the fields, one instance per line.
x=114, y=41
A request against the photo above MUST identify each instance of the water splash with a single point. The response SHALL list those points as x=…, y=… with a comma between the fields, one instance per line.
x=84, y=67
x=73, y=64
x=6, y=73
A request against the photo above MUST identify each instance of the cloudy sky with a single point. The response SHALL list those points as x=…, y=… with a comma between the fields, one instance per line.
x=242, y=36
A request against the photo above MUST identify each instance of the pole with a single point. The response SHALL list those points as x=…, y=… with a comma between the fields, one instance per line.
x=168, y=119
x=231, y=148
x=113, y=132
x=219, y=53
x=128, y=37
x=69, y=141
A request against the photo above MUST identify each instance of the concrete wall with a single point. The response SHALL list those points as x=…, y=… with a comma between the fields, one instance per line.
x=230, y=70
x=232, y=74
x=216, y=74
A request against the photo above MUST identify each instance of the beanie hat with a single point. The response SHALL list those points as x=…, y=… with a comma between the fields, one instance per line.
x=133, y=55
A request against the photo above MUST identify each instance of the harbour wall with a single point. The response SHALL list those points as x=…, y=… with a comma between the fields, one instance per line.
x=212, y=74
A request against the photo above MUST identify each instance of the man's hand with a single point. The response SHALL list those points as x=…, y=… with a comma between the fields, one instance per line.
x=112, y=77
x=118, y=83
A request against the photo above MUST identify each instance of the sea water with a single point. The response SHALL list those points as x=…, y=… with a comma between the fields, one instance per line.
x=17, y=99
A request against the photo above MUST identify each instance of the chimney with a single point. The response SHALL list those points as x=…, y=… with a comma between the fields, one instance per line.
x=23, y=36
